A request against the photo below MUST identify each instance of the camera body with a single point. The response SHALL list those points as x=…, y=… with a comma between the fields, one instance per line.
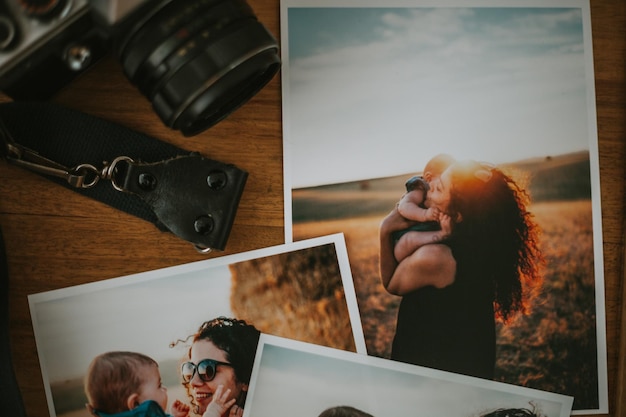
x=44, y=46
x=195, y=60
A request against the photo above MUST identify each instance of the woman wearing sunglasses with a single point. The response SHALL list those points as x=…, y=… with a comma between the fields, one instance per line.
x=220, y=363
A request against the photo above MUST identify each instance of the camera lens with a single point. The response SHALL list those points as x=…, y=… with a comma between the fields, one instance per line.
x=197, y=61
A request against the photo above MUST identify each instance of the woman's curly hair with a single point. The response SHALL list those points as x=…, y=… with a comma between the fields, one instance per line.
x=344, y=411
x=236, y=338
x=496, y=238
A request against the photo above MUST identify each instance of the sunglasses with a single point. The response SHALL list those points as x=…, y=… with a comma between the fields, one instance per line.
x=207, y=368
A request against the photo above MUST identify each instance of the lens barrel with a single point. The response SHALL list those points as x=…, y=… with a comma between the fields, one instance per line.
x=197, y=61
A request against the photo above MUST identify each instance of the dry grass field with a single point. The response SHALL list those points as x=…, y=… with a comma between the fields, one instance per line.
x=297, y=295
x=553, y=347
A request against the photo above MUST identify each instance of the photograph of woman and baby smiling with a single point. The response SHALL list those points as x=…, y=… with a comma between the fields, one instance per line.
x=442, y=220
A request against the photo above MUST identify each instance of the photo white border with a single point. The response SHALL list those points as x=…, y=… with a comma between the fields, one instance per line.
x=592, y=134
x=38, y=299
x=332, y=388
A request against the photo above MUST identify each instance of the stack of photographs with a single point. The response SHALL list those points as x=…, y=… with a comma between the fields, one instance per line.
x=371, y=92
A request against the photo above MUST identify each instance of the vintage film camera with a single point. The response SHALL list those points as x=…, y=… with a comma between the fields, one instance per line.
x=195, y=60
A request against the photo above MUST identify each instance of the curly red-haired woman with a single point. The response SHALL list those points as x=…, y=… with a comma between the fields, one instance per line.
x=475, y=270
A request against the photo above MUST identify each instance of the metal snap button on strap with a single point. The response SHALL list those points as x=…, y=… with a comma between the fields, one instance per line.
x=194, y=197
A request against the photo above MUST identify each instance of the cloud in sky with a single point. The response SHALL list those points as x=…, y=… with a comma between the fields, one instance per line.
x=377, y=91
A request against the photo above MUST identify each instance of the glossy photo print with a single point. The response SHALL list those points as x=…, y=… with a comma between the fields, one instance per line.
x=454, y=144
x=294, y=378
x=196, y=314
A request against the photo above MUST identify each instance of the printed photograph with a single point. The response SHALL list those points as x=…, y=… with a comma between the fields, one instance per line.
x=454, y=144
x=182, y=340
x=294, y=378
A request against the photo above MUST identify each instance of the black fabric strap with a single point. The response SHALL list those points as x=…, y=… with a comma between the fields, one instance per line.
x=70, y=138
x=194, y=197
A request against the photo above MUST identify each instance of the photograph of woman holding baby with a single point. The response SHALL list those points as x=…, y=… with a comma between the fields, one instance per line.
x=478, y=267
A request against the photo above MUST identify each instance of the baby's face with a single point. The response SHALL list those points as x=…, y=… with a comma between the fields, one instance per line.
x=431, y=178
x=152, y=388
x=439, y=194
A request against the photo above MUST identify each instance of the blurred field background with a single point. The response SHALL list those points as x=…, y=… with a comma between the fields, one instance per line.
x=298, y=295
x=554, y=347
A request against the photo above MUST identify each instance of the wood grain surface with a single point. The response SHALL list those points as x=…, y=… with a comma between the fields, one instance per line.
x=56, y=238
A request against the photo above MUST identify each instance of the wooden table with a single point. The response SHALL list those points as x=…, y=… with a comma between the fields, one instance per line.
x=56, y=238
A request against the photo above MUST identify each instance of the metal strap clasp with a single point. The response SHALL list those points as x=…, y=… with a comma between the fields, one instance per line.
x=80, y=176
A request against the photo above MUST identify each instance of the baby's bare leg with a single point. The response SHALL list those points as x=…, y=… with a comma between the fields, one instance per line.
x=406, y=245
x=413, y=240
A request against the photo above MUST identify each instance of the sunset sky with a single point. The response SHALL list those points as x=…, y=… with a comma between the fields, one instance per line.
x=376, y=91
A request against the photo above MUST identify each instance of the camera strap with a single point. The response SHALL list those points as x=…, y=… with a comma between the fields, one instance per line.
x=191, y=196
